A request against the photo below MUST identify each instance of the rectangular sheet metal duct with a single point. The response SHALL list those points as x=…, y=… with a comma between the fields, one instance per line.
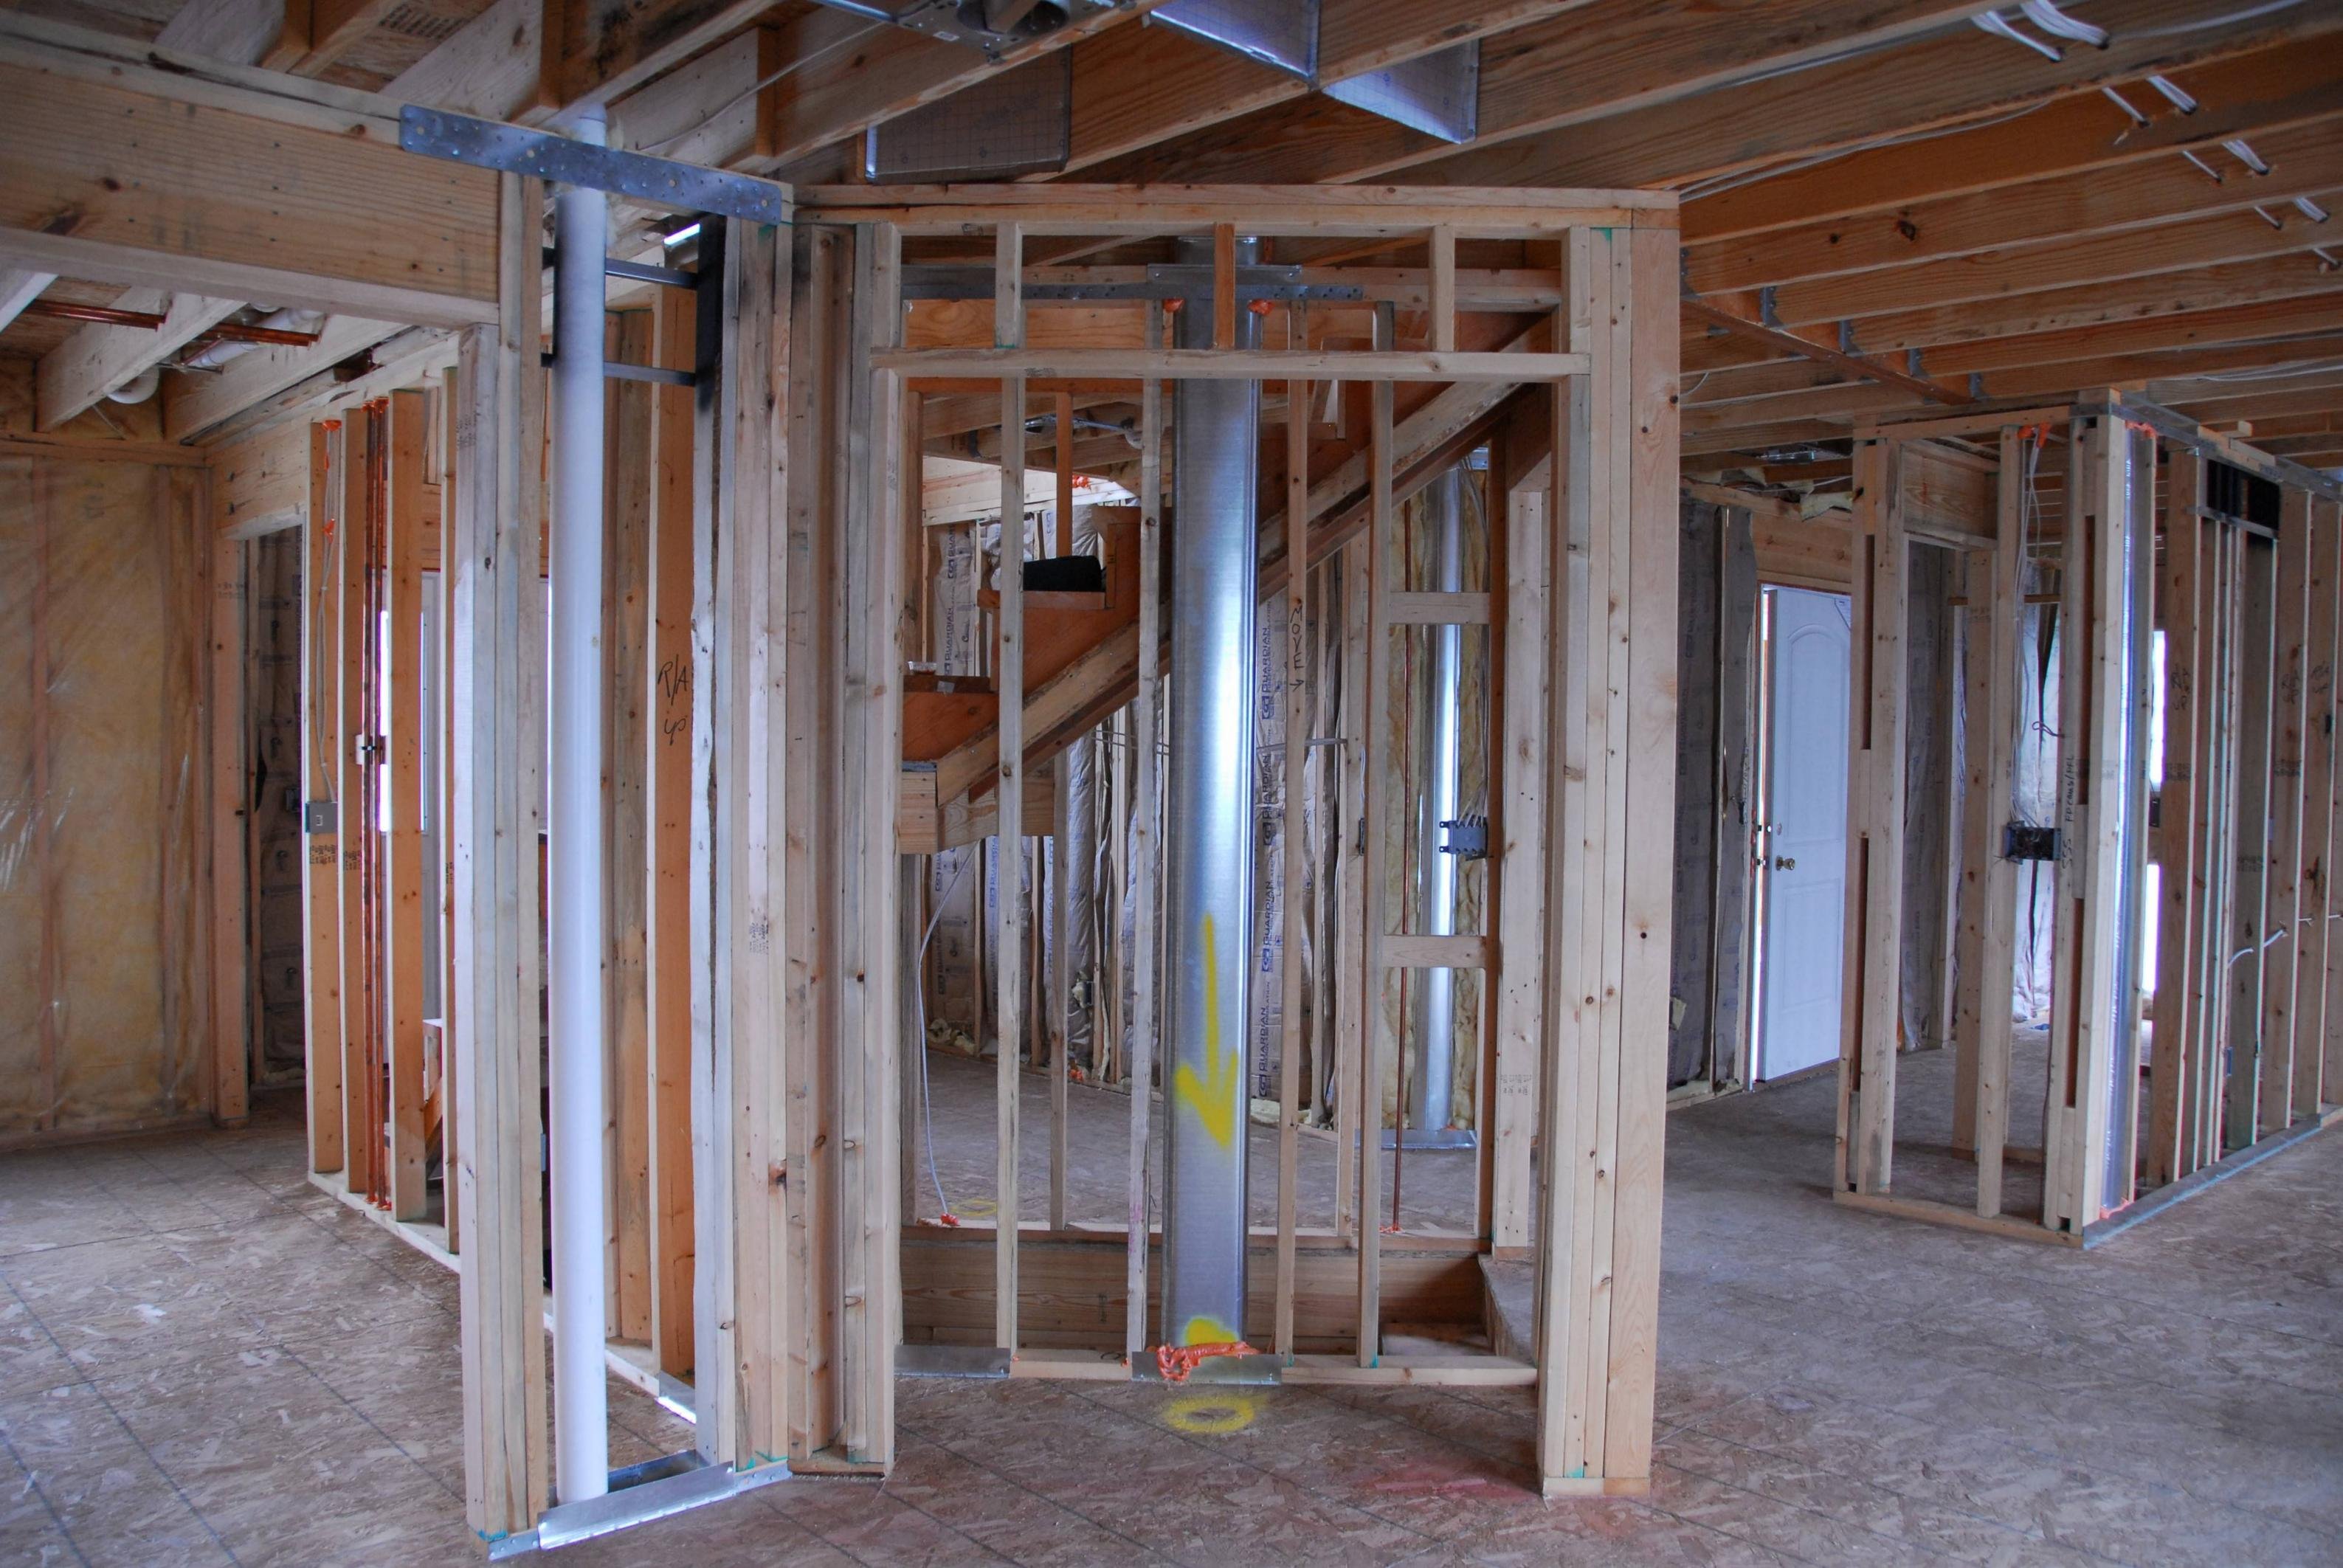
x=1438, y=94
x=1431, y=1088
x=1209, y=829
x=1283, y=34
x=1018, y=122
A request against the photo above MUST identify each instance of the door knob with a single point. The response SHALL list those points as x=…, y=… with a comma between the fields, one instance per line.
x=1785, y=862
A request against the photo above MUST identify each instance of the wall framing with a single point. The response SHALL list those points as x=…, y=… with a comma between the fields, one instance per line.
x=2246, y=608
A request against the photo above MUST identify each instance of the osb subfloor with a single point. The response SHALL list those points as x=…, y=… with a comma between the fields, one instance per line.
x=207, y=1360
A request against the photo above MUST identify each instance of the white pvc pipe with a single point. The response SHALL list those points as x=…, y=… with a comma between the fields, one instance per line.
x=581, y=1430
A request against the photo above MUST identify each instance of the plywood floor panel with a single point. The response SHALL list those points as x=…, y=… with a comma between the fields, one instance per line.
x=204, y=1359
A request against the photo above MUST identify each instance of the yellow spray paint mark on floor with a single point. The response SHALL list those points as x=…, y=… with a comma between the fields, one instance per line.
x=1210, y=1414
x=1214, y=1097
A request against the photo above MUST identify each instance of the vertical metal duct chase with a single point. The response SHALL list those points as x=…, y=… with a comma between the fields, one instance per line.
x=1209, y=828
x=1429, y=1106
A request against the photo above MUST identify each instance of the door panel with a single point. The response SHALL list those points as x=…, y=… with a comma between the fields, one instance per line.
x=1804, y=849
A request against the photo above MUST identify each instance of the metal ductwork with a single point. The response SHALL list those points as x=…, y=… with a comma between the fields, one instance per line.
x=1430, y=1088
x=1208, y=832
x=988, y=25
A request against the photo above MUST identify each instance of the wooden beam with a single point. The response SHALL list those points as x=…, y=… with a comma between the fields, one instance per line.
x=2099, y=305
x=1571, y=69
x=401, y=888
x=353, y=632
x=747, y=1192
x=1604, y=1094
x=1988, y=879
x=1644, y=435
x=270, y=33
x=2315, y=929
x=2149, y=192
x=1532, y=593
x=1377, y=1046
x=1737, y=369
x=321, y=542
x=1230, y=364
x=19, y=288
x=629, y=481
x=1963, y=75
x=2289, y=743
x=498, y=691
x=2246, y=934
x=230, y=882
x=667, y=808
x=1009, y=680
x=1293, y=841
x=594, y=52
x=1145, y=853
x=334, y=28
x=870, y=556
x=2180, y=1038
x=160, y=187
x=1814, y=346
x=1875, y=863
x=2254, y=92
x=2220, y=239
x=887, y=72
x=2330, y=1037
x=2092, y=1026
x=1755, y=385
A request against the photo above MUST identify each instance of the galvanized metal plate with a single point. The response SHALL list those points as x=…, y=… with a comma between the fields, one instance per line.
x=1438, y=94
x=951, y=1361
x=564, y=1524
x=1249, y=1372
x=1271, y=283
x=681, y=187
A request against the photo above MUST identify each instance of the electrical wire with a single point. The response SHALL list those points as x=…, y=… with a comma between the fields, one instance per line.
x=920, y=1005
x=1992, y=22
x=2176, y=29
x=2058, y=25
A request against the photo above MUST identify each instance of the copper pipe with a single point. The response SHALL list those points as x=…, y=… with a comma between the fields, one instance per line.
x=253, y=332
x=224, y=332
x=104, y=315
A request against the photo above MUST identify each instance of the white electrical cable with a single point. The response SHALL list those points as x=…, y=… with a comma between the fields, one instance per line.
x=2058, y=25
x=2174, y=94
x=1992, y=22
x=2241, y=150
x=2120, y=102
x=920, y=1004
x=2176, y=29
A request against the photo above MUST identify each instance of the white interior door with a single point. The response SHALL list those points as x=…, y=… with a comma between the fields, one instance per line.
x=1804, y=844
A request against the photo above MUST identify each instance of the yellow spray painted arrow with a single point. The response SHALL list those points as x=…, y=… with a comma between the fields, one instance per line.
x=1214, y=1097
